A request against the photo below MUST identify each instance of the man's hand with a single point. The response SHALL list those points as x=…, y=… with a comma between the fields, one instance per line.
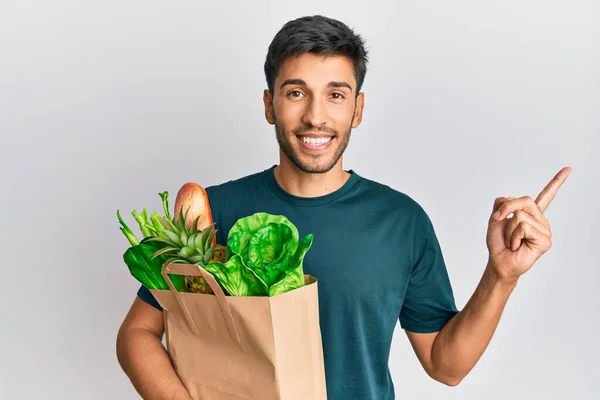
x=516, y=243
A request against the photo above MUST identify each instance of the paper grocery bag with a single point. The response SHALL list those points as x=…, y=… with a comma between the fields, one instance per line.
x=237, y=347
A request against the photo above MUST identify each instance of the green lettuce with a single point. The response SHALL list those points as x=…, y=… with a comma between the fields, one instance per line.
x=264, y=257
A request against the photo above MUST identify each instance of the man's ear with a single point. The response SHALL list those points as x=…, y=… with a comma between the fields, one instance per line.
x=358, y=110
x=268, y=100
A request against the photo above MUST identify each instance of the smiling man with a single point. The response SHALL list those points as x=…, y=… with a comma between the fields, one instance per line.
x=313, y=107
x=375, y=252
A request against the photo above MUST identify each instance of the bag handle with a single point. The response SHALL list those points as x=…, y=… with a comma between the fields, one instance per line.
x=196, y=270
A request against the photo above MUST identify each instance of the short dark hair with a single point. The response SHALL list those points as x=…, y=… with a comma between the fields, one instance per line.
x=317, y=35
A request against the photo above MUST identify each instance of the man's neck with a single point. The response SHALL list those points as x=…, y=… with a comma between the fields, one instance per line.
x=302, y=184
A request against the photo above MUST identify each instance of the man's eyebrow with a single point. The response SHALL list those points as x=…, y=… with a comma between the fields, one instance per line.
x=292, y=82
x=336, y=84
x=340, y=85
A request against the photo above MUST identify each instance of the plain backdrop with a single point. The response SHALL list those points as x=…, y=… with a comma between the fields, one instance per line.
x=103, y=104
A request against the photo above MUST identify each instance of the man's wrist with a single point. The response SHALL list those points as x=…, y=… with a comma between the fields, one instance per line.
x=497, y=283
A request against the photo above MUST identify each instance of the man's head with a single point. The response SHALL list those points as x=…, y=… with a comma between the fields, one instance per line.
x=315, y=68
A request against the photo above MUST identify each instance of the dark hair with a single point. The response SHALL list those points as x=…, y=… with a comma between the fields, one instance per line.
x=318, y=35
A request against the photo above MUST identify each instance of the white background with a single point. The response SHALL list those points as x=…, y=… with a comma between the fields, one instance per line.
x=105, y=104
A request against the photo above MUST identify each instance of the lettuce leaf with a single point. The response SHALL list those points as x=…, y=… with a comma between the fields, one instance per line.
x=265, y=257
x=294, y=274
x=236, y=279
x=245, y=228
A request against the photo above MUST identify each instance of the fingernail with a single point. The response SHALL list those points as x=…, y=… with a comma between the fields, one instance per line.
x=497, y=215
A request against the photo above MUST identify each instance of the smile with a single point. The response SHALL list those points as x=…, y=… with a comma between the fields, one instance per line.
x=315, y=142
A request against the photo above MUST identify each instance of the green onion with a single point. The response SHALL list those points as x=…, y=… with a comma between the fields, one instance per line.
x=143, y=222
x=165, y=201
x=127, y=232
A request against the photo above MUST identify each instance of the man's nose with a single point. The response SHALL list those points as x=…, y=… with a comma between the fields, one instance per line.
x=315, y=114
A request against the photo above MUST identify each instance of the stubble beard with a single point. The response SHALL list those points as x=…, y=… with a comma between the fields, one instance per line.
x=284, y=139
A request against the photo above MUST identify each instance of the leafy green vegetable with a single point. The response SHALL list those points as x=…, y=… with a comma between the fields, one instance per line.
x=147, y=269
x=245, y=228
x=265, y=257
x=165, y=202
x=236, y=279
x=294, y=276
x=126, y=231
x=143, y=222
x=264, y=253
x=141, y=258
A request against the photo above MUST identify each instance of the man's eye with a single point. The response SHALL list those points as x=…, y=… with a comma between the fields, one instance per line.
x=337, y=96
x=295, y=93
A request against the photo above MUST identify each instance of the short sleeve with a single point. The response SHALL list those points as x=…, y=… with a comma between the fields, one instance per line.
x=144, y=294
x=429, y=301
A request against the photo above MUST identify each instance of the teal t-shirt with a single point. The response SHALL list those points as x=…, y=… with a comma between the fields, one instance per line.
x=377, y=259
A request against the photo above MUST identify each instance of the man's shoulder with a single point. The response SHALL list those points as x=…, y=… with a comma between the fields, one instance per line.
x=392, y=196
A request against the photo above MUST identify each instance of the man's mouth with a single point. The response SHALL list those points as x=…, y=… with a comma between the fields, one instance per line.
x=315, y=142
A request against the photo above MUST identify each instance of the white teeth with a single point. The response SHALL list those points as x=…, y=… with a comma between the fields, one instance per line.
x=315, y=142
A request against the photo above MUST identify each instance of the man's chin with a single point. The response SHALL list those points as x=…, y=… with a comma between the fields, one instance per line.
x=314, y=169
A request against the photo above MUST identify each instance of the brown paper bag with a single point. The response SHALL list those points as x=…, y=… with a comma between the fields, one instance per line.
x=237, y=347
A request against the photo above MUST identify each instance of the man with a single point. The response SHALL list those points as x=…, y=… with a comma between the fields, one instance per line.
x=375, y=251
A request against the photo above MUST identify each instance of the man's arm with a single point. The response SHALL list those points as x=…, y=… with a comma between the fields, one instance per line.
x=515, y=244
x=143, y=357
x=450, y=354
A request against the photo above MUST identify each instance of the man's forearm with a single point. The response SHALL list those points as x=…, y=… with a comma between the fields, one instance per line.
x=460, y=344
x=148, y=365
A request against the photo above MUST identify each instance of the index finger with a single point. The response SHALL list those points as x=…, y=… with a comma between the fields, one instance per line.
x=549, y=192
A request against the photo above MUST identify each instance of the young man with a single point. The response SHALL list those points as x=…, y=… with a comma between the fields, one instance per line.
x=375, y=251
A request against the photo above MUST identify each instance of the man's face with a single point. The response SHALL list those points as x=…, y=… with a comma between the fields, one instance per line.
x=314, y=108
